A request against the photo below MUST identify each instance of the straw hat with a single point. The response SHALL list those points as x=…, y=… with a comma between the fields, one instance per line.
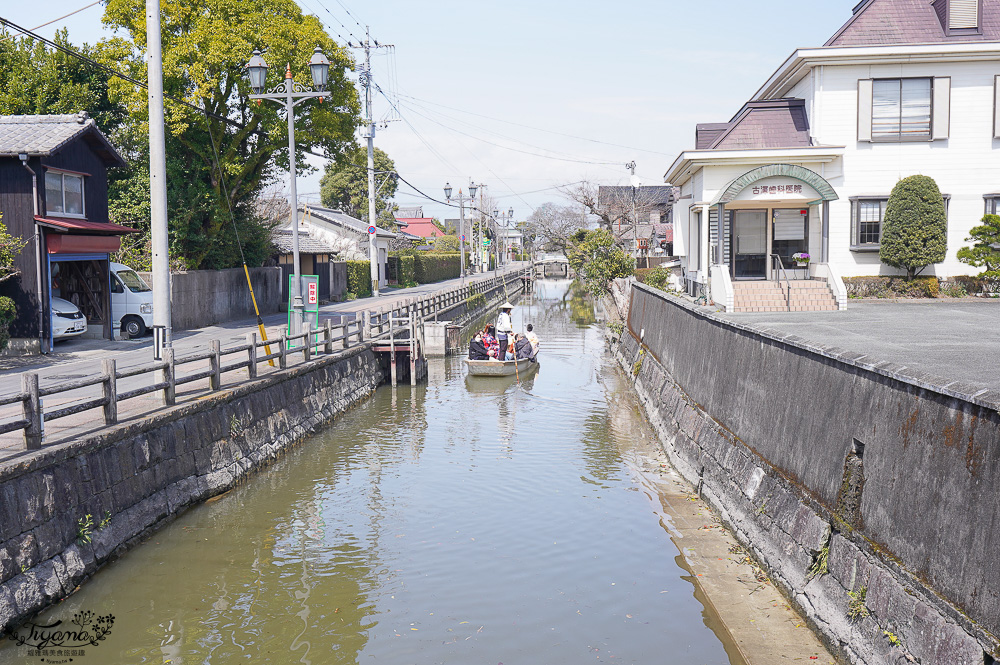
x=506, y=305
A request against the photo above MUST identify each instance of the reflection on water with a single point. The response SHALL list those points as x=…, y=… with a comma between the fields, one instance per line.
x=472, y=520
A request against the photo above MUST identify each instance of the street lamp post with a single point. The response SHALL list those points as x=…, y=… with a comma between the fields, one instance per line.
x=461, y=219
x=290, y=94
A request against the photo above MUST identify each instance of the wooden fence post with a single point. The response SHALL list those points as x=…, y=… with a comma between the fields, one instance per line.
x=110, y=386
x=282, y=351
x=328, y=334
x=215, y=363
x=252, y=355
x=32, y=409
x=307, y=343
x=169, y=377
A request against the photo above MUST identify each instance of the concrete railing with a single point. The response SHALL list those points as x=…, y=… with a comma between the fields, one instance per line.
x=833, y=280
x=722, y=288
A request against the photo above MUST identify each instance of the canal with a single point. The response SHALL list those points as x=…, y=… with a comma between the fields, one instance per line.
x=463, y=521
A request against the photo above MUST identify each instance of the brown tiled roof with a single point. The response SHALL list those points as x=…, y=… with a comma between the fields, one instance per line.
x=761, y=125
x=879, y=22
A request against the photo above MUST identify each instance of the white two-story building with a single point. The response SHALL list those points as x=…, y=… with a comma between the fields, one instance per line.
x=905, y=87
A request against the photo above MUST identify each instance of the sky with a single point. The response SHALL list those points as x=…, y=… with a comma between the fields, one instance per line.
x=529, y=96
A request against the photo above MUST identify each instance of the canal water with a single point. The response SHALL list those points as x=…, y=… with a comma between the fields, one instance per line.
x=463, y=521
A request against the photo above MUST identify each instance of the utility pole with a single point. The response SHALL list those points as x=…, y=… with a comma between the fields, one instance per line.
x=369, y=134
x=158, y=184
x=634, y=181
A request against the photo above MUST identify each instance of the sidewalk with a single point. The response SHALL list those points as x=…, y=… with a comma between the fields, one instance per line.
x=77, y=358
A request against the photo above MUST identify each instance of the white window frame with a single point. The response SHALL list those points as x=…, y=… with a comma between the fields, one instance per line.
x=939, y=123
x=51, y=209
x=992, y=204
x=856, y=201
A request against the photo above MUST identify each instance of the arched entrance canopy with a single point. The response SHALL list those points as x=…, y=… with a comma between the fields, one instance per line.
x=811, y=178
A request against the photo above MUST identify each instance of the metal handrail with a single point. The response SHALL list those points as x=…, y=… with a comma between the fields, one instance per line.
x=788, y=283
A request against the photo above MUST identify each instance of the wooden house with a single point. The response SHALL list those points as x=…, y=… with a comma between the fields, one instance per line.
x=54, y=195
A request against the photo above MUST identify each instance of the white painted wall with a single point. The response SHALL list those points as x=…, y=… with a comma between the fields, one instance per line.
x=965, y=166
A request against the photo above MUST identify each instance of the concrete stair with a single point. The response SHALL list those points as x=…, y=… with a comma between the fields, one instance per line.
x=807, y=295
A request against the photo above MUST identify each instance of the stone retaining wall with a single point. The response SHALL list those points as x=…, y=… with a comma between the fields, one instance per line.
x=140, y=474
x=867, y=491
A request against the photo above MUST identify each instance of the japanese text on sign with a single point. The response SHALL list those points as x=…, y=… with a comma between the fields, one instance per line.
x=777, y=189
x=312, y=293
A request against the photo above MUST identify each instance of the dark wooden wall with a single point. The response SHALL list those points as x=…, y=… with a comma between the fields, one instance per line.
x=18, y=217
x=77, y=156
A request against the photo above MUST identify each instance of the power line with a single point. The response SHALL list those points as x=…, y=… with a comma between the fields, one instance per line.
x=537, y=129
x=513, y=149
x=97, y=2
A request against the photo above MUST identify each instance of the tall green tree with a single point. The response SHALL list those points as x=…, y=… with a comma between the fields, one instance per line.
x=914, y=232
x=344, y=185
x=224, y=151
x=596, y=258
x=37, y=80
x=985, y=251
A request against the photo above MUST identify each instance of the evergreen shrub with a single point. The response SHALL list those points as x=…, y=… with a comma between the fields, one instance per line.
x=359, y=278
x=914, y=232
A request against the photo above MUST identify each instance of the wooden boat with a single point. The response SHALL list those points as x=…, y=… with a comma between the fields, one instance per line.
x=501, y=368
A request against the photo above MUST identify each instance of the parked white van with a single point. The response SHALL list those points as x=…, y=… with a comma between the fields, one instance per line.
x=131, y=301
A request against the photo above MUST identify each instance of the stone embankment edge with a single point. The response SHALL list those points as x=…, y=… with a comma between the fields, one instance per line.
x=974, y=394
x=788, y=532
x=137, y=476
x=824, y=601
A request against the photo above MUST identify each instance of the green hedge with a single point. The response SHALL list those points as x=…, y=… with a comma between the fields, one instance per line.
x=657, y=277
x=406, y=275
x=359, y=278
x=878, y=286
x=435, y=266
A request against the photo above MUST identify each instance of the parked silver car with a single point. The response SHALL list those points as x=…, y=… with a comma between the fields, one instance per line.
x=67, y=319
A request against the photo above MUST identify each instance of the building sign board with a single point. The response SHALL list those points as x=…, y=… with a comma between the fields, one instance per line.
x=778, y=189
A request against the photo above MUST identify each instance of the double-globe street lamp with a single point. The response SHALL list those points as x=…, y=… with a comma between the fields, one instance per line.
x=461, y=218
x=290, y=94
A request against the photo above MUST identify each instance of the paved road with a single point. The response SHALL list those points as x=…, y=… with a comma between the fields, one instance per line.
x=77, y=358
x=953, y=339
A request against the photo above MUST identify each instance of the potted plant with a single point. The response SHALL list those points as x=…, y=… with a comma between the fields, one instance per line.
x=801, y=259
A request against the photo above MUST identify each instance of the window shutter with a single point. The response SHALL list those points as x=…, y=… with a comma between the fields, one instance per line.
x=941, y=107
x=865, y=110
x=963, y=14
x=713, y=232
x=996, y=107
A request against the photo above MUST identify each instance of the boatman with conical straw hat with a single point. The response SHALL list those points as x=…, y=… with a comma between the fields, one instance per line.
x=505, y=327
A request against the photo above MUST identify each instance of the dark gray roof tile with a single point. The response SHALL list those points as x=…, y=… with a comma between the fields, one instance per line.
x=43, y=135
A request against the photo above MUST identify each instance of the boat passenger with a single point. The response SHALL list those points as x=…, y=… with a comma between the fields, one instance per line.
x=505, y=328
x=477, y=350
x=491, y=344
x=523, y=348
x=533, y=338
x=509, y=354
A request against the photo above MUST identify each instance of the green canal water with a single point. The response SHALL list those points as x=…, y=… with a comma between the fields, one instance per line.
x=466, y=521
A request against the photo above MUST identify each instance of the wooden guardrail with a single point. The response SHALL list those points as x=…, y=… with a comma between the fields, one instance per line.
x=167, y=376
